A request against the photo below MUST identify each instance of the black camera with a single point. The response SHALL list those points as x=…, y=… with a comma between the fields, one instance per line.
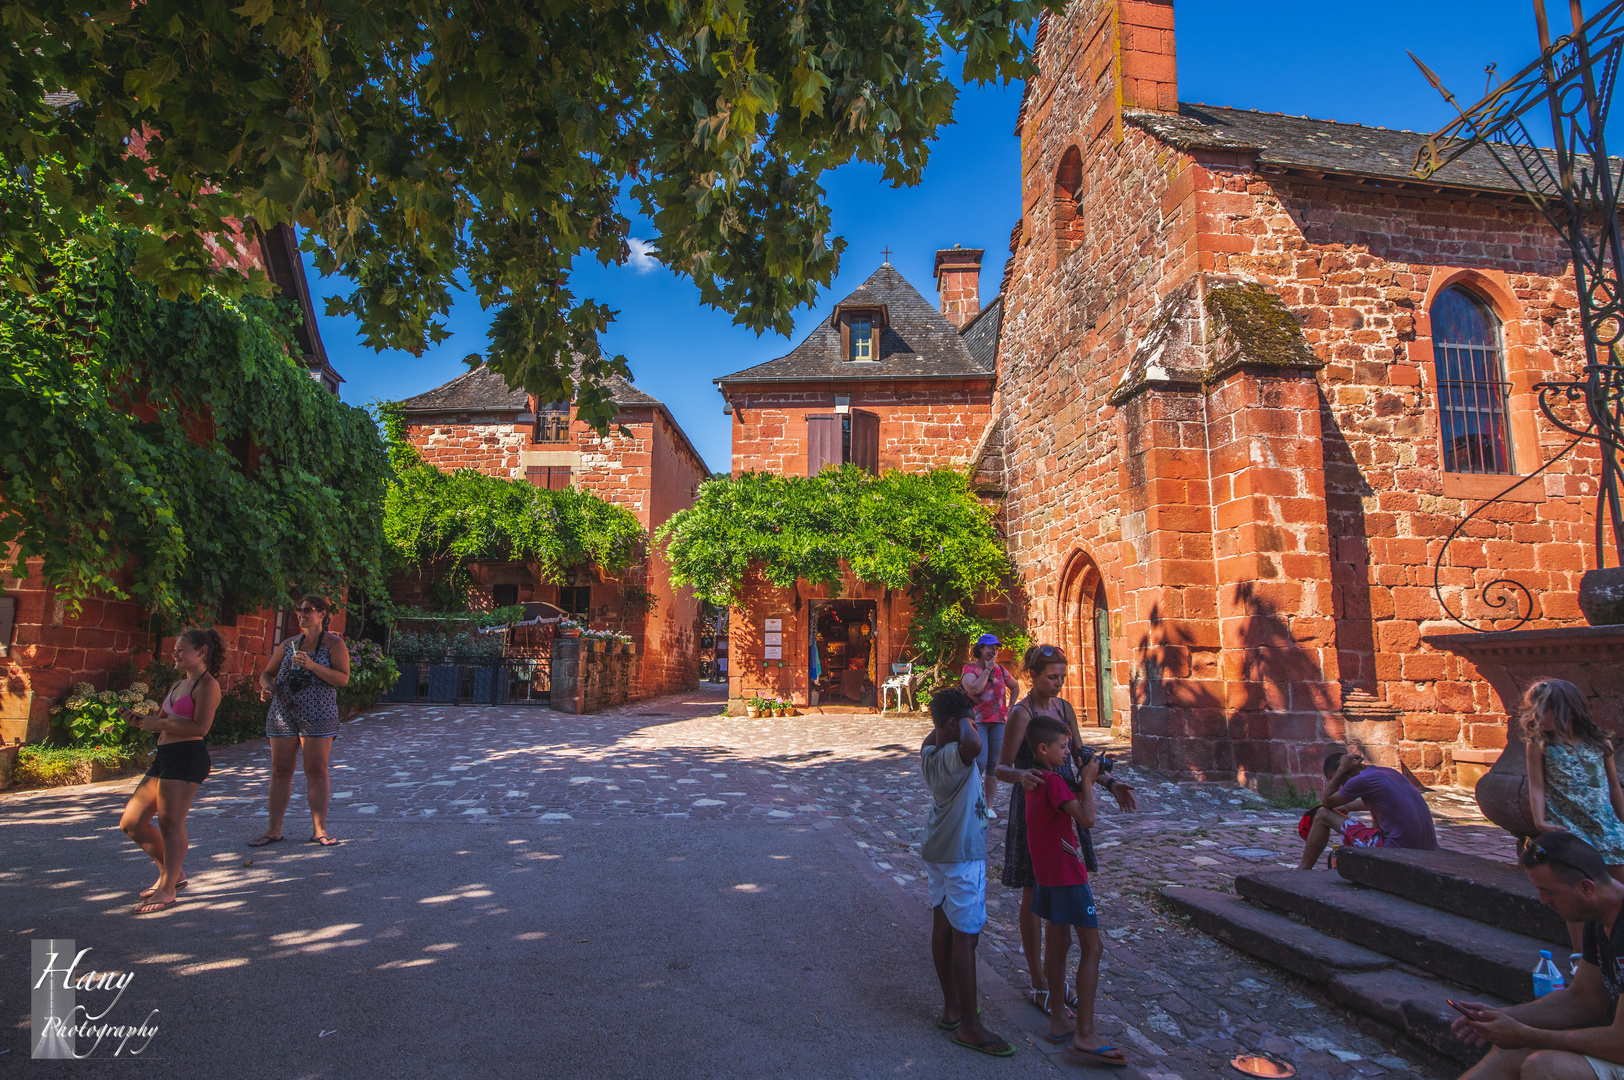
x=1085, y=754
x=296, y=681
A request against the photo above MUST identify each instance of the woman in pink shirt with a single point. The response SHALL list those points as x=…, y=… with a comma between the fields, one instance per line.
x=994, y=691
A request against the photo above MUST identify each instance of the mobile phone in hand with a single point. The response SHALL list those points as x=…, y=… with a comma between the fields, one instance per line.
x=1458, y=1007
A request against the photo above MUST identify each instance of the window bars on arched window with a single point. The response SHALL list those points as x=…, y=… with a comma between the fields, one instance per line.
x=1471, y=384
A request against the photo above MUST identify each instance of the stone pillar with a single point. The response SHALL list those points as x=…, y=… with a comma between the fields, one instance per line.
x=567, y=683
x=1274, y=569
x=1168, y=585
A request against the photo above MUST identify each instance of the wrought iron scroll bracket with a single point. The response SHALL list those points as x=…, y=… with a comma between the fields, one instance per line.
x=1503, y=592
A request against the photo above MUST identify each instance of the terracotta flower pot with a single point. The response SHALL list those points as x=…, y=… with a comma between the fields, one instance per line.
x=572, y=632
x=751, y=711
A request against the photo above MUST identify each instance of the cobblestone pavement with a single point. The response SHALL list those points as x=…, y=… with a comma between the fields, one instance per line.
x=1179, y=1003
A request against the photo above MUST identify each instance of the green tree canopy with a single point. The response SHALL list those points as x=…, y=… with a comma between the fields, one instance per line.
x=926, y=533
x=421, y=143
x=173, y=450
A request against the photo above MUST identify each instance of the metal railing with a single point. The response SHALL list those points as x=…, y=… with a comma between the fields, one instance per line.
x=1472, y=409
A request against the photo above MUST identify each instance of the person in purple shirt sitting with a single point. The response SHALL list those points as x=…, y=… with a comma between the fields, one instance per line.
x=1401, y=816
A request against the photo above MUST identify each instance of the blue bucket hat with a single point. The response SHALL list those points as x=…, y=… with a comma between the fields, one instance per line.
x=986, y=639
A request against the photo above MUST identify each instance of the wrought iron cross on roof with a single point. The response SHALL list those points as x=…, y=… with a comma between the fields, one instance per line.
x=1575, y=187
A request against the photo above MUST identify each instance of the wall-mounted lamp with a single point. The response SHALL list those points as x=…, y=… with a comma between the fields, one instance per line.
x=842, y=403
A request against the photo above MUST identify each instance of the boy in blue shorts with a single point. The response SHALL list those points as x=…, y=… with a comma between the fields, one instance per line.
x=955, y=854
x=1061, y=897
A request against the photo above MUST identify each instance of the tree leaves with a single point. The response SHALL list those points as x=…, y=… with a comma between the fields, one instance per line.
x=172, y=451
x=923, y=532
x=423, y=143
x=433, y=517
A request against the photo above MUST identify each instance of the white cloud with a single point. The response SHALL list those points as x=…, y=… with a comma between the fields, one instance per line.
x=642, y=257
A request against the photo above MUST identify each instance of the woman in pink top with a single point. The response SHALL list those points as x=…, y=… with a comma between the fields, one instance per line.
x=994, y=691
x=179, y=765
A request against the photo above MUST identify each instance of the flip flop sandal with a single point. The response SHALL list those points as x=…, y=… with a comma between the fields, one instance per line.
x=1100, y=1055
x=264, y=840
x=153, y=909
x=993, y=1047
x=148, y=892
x=1040, y=999
x=1064, y=1036
x=325, y=841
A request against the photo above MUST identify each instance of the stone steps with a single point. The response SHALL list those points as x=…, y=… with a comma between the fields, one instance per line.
x=1354, y=977
x=1488, y=892
x=1461, y=950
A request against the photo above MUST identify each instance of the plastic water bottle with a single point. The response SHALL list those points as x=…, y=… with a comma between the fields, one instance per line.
x=1547, y=976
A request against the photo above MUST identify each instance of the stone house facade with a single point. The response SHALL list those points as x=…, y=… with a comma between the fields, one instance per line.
x=45, y=648
x=888, y=381
x=1261, y=373
x=476, y=422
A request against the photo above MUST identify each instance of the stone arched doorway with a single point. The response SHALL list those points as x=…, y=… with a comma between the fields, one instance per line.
x=1085, y=618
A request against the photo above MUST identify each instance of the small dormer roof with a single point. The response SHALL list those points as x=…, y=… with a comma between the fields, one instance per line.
x=915, y=341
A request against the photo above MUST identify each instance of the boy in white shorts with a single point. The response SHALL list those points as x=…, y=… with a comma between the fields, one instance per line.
x=955, y=854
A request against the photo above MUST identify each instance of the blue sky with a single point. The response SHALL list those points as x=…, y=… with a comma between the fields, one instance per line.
x=1331, y=61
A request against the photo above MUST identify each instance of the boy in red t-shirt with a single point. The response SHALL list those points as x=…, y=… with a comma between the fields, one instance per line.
x=1061, y=897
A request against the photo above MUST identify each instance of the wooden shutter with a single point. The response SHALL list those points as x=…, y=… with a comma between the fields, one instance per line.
x=865, y=441
x=537, y=475
x=822, y=443
x=558, y=477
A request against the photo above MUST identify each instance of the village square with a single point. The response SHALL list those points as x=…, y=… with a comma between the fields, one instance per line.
x=1162, y=617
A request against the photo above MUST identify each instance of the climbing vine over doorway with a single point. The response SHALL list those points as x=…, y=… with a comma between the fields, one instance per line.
x=926, y=533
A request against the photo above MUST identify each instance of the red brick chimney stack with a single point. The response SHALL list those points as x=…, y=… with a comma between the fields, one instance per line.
x=1150, y=71
x=958, y=282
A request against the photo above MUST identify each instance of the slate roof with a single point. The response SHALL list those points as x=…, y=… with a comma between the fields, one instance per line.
x=483, y=390
x=1298, y=142
x=480, y=390
x=918, y=342
x=981, y=334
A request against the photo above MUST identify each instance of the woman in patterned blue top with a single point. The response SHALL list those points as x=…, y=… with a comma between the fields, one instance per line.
x=301, y=680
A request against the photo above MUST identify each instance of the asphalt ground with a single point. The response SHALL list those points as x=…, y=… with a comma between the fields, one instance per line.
x=430, y=948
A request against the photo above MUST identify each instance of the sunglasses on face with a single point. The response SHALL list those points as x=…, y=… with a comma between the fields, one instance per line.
x=307, y=610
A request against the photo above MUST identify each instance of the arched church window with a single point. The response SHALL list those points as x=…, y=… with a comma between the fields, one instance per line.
x=1471, y=384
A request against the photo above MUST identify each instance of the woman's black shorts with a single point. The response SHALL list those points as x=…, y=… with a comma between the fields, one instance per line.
x=187, y=760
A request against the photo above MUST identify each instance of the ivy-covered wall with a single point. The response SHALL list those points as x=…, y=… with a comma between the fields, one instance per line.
x=163, y=462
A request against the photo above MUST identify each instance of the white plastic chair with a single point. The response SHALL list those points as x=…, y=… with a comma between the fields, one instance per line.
x=901, y=683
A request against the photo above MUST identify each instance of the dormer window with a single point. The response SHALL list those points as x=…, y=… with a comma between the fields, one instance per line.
x=553, y=423
x=860, y=334
x=862, y=340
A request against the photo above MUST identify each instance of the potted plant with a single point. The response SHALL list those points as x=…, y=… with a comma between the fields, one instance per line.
x=752, y=707
x=570, y=628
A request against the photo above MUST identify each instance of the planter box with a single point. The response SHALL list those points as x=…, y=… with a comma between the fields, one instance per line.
x=444, y=680
x=405, y=688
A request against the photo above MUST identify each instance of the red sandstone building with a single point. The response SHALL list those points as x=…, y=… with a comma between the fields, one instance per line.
x=476, y=422
x=45, y=649
x=886, y=382
x=1259, y=373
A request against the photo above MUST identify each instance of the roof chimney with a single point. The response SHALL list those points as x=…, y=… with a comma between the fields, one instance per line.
x=958, y=282
x=1150, y=72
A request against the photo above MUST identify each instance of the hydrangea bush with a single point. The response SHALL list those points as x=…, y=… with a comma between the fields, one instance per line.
x=90, y=717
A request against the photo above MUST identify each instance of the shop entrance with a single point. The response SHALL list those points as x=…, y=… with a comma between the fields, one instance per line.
x=844, y=633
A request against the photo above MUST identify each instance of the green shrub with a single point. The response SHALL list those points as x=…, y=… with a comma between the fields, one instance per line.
x=372, y=674
x=240, y=717
x=91, y=719
x=54, y=766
